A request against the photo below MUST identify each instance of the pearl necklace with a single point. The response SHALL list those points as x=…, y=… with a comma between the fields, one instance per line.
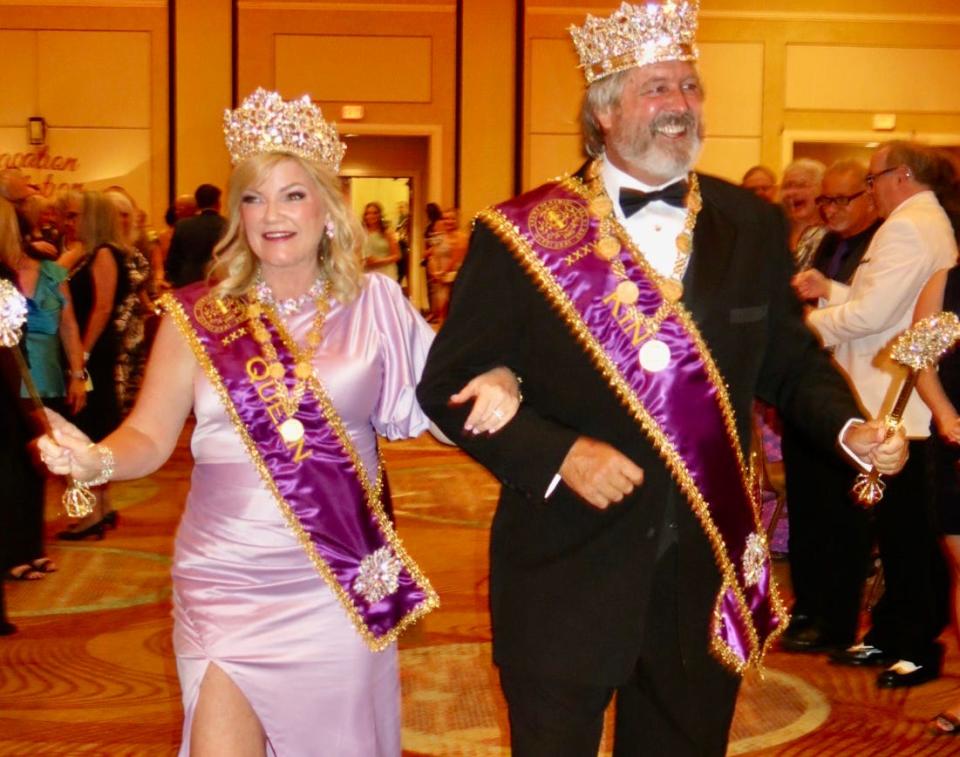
x=291, y=305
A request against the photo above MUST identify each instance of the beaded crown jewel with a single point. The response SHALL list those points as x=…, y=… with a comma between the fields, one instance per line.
x=637, y=35
x=265, y=122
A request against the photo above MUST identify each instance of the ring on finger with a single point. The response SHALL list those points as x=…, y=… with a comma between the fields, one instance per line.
x=497, y=413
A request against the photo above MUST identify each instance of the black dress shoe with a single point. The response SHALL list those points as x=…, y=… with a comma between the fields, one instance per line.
x=904, y=673
x=862, y=655
x=95, y=530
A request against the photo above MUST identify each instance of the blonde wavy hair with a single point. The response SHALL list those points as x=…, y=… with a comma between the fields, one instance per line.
x=10, y=245
x=235, y=266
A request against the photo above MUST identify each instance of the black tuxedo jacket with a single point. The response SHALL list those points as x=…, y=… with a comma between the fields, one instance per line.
x=570, y=583
x=192, y=247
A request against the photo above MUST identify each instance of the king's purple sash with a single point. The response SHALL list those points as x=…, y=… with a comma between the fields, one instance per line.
x=339, y=515
x=683, y=409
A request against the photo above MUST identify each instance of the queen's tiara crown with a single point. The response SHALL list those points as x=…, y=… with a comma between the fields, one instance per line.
x=265, y=122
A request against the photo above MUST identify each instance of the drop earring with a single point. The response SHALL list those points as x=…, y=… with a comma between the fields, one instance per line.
x=329, y=229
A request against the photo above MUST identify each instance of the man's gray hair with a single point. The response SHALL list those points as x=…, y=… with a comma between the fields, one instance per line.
x=602, y=95
x=926, y=165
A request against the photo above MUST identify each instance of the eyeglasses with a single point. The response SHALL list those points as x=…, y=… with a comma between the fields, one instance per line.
x=841, y=201
x=870, y=178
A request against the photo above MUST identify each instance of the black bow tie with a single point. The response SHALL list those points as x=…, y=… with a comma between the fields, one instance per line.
x=631, y=200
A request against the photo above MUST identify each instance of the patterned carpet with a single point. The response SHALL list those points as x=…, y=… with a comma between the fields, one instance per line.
x=91, y=670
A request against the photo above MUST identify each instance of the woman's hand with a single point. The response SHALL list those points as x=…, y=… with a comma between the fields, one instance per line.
x=948, y=426
x=496, y=396
x=69, y=451
x=76, y=395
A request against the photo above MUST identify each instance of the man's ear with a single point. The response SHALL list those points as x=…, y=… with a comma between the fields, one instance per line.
x=604, y=117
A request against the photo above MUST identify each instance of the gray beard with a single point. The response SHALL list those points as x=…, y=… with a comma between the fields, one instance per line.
x=664, y=161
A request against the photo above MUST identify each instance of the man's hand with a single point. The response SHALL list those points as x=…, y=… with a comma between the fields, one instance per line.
x=868, y=442
x=811, y=284
x=599, y=473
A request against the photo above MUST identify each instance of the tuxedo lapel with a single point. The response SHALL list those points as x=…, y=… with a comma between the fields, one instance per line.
x=713, y=240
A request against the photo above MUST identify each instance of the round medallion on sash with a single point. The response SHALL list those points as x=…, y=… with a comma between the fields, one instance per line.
x=291, y=431
x=654, y=356
x=671, y=289
x=558, y=224
x=608, y=248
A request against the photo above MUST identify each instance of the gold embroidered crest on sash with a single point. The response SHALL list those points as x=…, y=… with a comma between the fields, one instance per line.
x=219, y=314
x=558, y=224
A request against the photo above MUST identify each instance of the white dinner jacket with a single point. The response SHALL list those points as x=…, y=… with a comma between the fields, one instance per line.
x=862, y=319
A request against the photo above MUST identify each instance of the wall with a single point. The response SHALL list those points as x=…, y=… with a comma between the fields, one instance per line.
x=98, y=75
x=774, y=70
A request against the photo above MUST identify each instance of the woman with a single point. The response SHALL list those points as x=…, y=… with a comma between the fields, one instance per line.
x=97, y=289
x=50, y=326
x=798, y=195
x=381, y=252
x=135, y=308
x=287, y=573
x=447, y=251
x=940, y=390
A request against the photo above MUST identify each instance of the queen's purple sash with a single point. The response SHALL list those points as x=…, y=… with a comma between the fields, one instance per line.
x=339, y=515
x=683, y=409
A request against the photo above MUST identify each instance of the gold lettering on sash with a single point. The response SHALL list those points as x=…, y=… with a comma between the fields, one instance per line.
x=268, y=389
x=627, y=320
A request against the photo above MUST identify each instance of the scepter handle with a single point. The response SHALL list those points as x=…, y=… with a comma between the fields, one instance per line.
x=868, y=488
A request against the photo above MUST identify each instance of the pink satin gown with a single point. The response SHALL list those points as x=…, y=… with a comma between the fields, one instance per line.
x=245, y=595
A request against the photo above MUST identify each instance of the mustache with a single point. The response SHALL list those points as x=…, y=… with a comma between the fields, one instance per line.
x=686, y=120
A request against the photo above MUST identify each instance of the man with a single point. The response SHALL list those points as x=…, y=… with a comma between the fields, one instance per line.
x=830, y=538
x=860, y=320
x=194, y=239
x=624, y=518
x=762, y=182
x=185, y=206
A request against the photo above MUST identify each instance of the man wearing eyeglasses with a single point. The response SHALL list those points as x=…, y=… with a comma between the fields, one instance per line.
x=829, y=534
x=859, y=321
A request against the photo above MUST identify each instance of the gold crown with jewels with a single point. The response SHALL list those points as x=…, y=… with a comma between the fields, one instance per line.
x=265, y=122
x=637, y=35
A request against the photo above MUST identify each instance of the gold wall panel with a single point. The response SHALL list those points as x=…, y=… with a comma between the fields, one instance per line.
x=556, y=86
x=552, y=155
x=18, y=77
x=385, y=69
x=872, y=78
x=732, y=74
x=729, y=157
x=93, y=78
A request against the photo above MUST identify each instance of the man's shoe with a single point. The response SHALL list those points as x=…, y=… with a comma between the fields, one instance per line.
x=862, y=655
x=904, y=673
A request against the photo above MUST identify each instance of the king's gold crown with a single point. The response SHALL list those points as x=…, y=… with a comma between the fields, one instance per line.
x=265, y=122
x=637, y=35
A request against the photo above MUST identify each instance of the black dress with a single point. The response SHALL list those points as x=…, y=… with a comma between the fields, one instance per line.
x=21, y=504
x=944, y=457
x=101, y=415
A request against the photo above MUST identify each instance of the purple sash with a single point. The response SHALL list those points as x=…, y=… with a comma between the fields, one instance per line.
x=319, y=482
x=684, y=409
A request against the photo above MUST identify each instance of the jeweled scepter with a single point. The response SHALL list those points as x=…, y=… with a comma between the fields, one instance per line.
x=918, y=348
x=78, y=500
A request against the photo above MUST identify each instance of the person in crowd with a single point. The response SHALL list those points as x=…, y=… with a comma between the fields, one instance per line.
x=290, y=585
x=447, y=250
x=185, y=206
x=430, y=238
x=135, y=308
x=50, y=326
x=164, y=238
x=21, y=484
x=939, y=388
x=644, y=306
x=859, y=321
x=762, y=181
x=798, y=194
x=830, y=535
x=14, y=186
x=98, y=286
x=194, y=238
x=69, y=204
x=380, y=249
x=402, y=232
x=41, y=215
